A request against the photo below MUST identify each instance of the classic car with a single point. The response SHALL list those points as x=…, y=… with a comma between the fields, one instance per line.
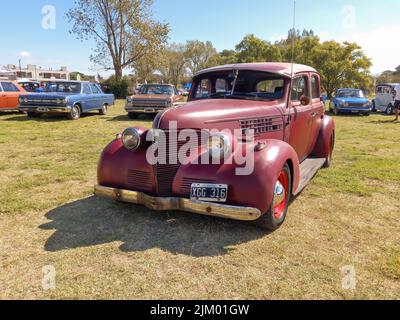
x=9, y=94
x=29, y=86
x=257, y=111
x=152, y=98
x=350, y=101
x=384, y=99
x=67, y=97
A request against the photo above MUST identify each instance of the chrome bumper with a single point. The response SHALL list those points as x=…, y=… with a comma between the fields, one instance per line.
x=42, y=109
x=148, y=109
x=179, y=204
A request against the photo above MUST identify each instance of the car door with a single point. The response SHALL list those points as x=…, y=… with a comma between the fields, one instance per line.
x=97, y=98
x=87, y=103
x=11, y=93
x=300, y=118
x=317, y=110
x=3, y=98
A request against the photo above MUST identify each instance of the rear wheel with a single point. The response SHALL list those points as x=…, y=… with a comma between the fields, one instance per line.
x=276, y=214
x=75, y=113
x=133, y=115
x=104, y=109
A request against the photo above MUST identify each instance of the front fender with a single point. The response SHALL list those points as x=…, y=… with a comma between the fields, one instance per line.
x=255, y=190
x=323, y=146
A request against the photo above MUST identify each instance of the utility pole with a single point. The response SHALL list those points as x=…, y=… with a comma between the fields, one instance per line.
x=20, y=68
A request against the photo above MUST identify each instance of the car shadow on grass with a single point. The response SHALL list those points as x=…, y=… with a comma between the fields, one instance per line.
x=143, y=117
x=47, y=118
x=95, y=221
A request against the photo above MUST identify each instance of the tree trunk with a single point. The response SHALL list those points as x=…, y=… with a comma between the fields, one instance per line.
x=118, y=72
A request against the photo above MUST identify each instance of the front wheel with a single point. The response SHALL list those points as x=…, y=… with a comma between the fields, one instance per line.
x=104, y=109
x=75, y=113
x=33, y=115
x=276, y=215
x=133, y=115
x=389, y=110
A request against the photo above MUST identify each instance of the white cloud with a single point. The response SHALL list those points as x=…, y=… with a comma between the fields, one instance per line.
x=380, y=44
x=25, y=54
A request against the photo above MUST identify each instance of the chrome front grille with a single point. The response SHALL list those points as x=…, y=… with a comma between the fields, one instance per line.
x=149, y=103
x=165, y=173
x=41, y=102
x=138, y=180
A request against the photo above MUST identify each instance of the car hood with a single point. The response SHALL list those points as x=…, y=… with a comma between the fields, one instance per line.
x=352, y=100
x=217, y=114
x=43, y=96
x=151, y=97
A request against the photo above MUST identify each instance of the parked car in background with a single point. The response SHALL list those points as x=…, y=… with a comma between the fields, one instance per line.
x=29, y=86
x=71, y=98
x=271, y=112
x=350, y=101
x=152, y=98
x=384, y=99
x=9, y=94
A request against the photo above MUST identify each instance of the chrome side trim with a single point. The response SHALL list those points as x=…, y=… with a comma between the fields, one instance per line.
x=179, y=204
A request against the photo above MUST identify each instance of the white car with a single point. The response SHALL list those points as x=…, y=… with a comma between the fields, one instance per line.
x=384, y=99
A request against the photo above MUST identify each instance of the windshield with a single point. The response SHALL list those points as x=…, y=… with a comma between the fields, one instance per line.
x=157, y=89
x=63, y=87
x=350, y=94
x=235, y=84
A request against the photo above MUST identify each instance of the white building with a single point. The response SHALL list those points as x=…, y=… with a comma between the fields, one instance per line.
x=36, y=73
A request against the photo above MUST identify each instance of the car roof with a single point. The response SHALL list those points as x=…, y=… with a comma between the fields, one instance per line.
x=157, y=84
x=388, y=84
x=348, y=89
x=284, y=69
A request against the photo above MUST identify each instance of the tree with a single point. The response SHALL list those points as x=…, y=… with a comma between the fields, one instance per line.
x=123, y=30
x=389, y=76
x=253, y=49
x=198, y=55
x=173, y=67
x=342, y=65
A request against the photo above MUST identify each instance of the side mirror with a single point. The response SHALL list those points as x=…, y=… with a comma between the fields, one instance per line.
x=305, y=101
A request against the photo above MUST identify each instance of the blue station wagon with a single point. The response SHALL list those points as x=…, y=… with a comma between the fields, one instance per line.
x=350, y=101
x=67, y=97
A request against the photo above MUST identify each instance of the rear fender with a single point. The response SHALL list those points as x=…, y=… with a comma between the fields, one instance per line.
x=322, y=146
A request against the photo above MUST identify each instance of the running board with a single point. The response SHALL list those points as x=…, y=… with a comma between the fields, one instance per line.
x=308, y=169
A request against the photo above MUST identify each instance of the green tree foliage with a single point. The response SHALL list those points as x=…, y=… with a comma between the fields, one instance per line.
x=199, y=55
x=119, y=87
x=124, y=31
x=173, y=64
x=253, y=49
x=389, y=76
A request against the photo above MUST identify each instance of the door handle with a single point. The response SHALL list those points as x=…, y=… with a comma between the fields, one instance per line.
x=314, y=114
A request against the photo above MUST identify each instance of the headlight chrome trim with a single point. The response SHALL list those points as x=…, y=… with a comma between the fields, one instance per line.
x=134, y=132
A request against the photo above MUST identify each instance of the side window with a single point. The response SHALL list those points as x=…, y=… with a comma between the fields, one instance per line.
x=379, y=90
x=95, y=89
x=221, y=85
x=86, y=88
x=315, y=90
x=9, y=87
x=203, y=89
x=300, y=88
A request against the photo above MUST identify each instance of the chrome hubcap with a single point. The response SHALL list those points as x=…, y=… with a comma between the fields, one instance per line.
x=279, y=194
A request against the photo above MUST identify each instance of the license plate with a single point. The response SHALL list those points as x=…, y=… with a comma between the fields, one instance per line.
x=42, y=109
x=209, y=192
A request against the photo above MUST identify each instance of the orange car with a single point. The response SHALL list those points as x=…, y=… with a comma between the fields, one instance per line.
x=9, y=94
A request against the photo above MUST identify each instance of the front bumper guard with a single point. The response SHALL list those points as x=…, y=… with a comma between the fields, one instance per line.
x=179, y=204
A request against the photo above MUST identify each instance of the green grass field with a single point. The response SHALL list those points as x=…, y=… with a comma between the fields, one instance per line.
x=348, y=216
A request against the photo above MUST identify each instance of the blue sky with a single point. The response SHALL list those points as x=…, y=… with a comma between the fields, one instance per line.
x=373, y=24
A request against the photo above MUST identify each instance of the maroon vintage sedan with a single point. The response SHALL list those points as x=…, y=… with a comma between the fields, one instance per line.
x=249, y=139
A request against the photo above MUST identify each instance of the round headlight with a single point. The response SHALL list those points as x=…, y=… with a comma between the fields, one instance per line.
x=64, y=101
x=26, y=100
x=131, y=138
x=219, y=145
x=58, y=101
x=20, y=100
